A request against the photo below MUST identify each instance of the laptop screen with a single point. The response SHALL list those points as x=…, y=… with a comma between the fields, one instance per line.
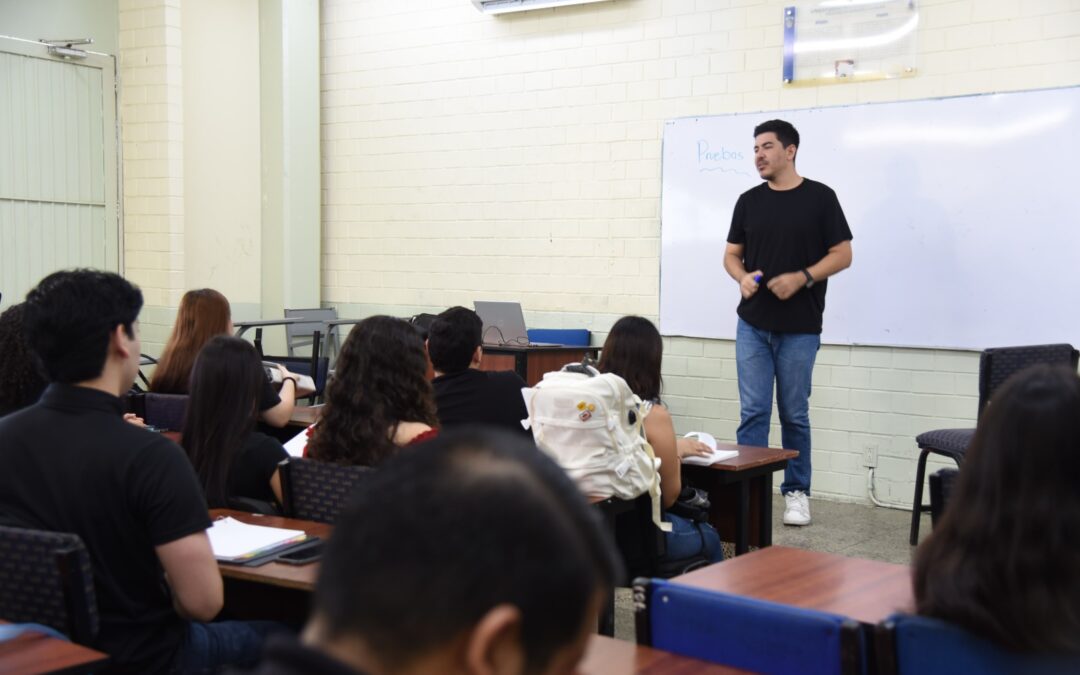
x=504, y=323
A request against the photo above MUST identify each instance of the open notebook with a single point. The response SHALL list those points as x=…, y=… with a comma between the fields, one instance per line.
x=234, y=541
x=707, y=460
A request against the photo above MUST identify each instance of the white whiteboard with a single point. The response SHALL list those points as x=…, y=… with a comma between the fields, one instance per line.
x=965, y=214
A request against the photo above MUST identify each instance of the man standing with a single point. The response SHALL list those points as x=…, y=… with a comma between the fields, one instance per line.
x=464, y=394
x=789, y=235
x=70, y=463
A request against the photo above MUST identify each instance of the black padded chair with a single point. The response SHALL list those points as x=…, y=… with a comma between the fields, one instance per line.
x=995, y=366
x=46, y=578
x=941, y=487
x=314, y=490
x=165, y=411
x=641, y=546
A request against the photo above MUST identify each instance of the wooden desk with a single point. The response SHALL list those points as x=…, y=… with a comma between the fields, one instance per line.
x=740, y=490
x=33, y=653
x=532, y=362
x=608, y=656
x=274, y=591
x=865, y=590
x=305, y=415
x=281, y=575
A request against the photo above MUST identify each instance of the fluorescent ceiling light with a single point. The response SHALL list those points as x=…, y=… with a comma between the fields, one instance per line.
x=504, y=6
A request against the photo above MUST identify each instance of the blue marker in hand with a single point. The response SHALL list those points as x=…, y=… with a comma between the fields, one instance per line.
x=757, y=278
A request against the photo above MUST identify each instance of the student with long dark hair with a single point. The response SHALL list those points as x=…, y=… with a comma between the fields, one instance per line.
x=633, y=351
x=380, y=398
x=229, y=456
x=21, y=381
x=203, y=314
x=1004, y=562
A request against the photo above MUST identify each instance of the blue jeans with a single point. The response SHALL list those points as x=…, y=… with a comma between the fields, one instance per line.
x=688, y=539
x=209, y=646
x=788, y=358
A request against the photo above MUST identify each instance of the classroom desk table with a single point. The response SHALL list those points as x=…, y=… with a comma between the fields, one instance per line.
x=34, y=653
x=305, y=415
x=865, y=590
x=274, y=591
x=243, y=326
x=608, y=656
x=740, y=490
x=532, y=362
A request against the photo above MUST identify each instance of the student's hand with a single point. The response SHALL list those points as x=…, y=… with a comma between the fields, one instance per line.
x=786, y=285
x=300, y=391
x=132, y=418
x=749, y=283
x=691, y=447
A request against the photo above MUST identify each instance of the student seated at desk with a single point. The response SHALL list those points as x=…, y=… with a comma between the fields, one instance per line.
x=203, y=314
x=380, y=398
x=231, y=458
x=472, y=554
x=633, y=351
x=464, y=394
x=21, y=382
x=1004, y=562
x=70, y=463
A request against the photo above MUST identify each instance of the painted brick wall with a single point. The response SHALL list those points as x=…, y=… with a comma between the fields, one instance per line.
x=151, y=120
x=518, y=157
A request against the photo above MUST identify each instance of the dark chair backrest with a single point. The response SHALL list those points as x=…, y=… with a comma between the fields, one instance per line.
x=46, y=578
x=999, y=363
x=640, y=543
x=941, y=486
x=165, y=411
x=756, y=635
x=919, y=645
x=314, y=490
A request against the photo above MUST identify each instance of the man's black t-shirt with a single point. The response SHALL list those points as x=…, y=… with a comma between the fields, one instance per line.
x=787, y=231
x=71, y=464
x=283, y=655
x=474, y=396
x=253, y=467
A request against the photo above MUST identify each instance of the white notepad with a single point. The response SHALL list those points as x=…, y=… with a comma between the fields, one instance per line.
x=707, y=460
x=232, y=540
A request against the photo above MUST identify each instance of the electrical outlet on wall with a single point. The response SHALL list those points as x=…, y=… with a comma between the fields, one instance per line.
x=870, y=456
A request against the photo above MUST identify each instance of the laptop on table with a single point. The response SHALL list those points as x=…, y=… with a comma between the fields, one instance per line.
x=504, y=325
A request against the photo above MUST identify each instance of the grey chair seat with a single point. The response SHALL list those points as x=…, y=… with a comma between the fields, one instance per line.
x=946, y=441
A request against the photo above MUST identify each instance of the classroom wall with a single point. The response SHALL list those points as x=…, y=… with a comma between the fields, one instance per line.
x=518, y=157
x=222, y=159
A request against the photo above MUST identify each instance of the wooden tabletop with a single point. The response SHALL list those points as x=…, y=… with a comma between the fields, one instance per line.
x=305, y=415
x=608, y=656
x=33, y=653
x=749, y=457
x=300, y=577
x=864, y=590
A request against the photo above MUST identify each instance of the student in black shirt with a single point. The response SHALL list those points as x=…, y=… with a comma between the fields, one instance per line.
x=787, y=237
x=70, y=463
x=463, y=393
x=472, y=553
x=230, y=457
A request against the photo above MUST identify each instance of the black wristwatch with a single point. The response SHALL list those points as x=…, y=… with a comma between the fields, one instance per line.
x=809, y=279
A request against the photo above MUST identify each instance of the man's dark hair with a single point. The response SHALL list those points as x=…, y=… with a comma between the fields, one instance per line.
x=453, y=338
x=69, y=317
x=785, y=132
x=444, y=532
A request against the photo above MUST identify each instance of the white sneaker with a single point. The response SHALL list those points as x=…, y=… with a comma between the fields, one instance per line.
x=797, y=509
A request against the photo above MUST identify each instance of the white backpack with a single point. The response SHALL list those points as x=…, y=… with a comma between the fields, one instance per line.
x=591, y=424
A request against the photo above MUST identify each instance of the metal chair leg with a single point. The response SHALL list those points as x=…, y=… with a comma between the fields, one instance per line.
x=916, y=504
